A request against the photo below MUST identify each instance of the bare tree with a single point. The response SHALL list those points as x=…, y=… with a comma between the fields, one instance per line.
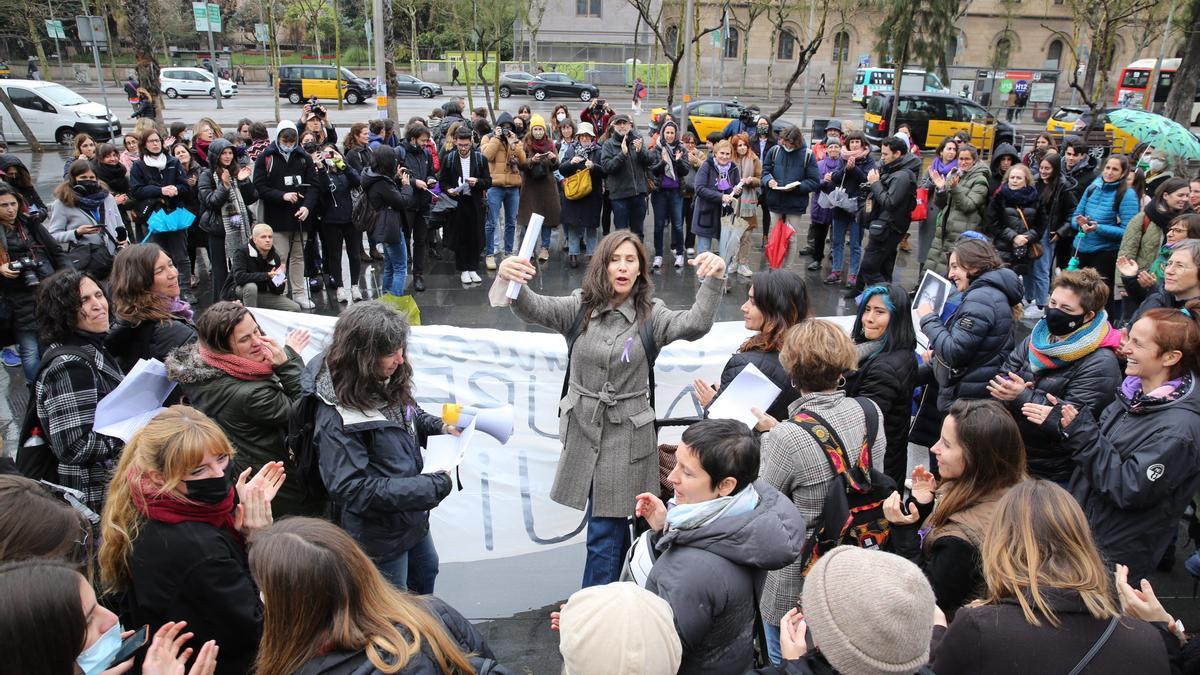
x=665, y=21
x=411, y=9
x=310, y=11
x=780, y=13
x=138, y=13
x=532, y=12
x=754, y=9
x=917, y=31
x=1102, y=20
x=1183, y=85
x=805, y=56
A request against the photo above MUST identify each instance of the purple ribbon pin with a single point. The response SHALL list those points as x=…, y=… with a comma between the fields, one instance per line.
x=625, y=352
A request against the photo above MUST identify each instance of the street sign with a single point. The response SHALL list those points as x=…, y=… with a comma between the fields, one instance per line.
x=1021, y=87
x=54, y=29
x=864, y=60
x=207, y=17
x=92, y=30
x=261, y=34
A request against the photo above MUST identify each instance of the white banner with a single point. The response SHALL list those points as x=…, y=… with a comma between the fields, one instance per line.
x=504, y=508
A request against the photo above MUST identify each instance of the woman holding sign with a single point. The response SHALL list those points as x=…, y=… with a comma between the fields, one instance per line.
x=606, y=417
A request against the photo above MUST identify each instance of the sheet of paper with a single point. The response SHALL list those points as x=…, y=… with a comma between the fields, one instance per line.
x=532, y=232
x=446, y=452
x=135, y=401
x=750, y=389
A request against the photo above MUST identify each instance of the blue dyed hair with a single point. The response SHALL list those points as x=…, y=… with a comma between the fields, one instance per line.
x=900, y=334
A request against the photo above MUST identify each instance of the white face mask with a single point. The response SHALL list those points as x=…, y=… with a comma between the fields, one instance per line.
x=561, y=116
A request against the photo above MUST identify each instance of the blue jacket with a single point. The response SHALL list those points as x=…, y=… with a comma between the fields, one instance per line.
x=1097, y=203
x=785, y=167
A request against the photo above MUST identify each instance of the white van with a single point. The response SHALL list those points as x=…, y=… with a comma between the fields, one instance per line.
x=867, y=81
x=55, y=114
x=185, y=82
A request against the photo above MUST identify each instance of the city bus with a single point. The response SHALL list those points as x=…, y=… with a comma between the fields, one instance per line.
x=1132, y=88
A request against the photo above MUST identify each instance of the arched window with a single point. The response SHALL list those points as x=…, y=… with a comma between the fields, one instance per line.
x=1002, y=52
x=786, y=49
x=1054, y=54
x=731, y=43
x=951, y=48
x=841, y=46
x=673, y=46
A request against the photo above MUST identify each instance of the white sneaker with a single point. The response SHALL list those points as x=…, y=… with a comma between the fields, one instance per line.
x=475, y=278
x=465, y=277
x=305, y=303
x=745, y=271
x=355, y=294
x=342, y=295
x=490, y=261
x=691, y=252
x=1035, y=312
x=657, y=262
x=678, y=262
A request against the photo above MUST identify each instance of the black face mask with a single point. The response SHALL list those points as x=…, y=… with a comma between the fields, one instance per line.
x=763, y=131
x=211, y=490
x=1060, y=323
x=86, y=187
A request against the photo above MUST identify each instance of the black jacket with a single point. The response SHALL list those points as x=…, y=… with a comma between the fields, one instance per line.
x=146, y=184
x=997, y=177
x=975, y=340
x=251, y=267
x=336, y=194
x=889, y=379
x=214, y=195
x=952, y=563
x=17, y=300
x=768, y=363
x=1079, y=178
x=371, y=467
x=386, y=196
x=130, y=342
x=895, y=193
x=1090, y=382
x=197, y=573
x=1057, y=211
x=1003, y=221
x=272, y=174
x=420, y=167
x=1136, y=470
x=358, y=157
x=451, y=173
x=1154, y=299
x=626, y=173
x=998, y=640
x=33, y=200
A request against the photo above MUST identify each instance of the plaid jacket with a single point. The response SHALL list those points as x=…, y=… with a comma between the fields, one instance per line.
x=66, y=394
x=794, y=463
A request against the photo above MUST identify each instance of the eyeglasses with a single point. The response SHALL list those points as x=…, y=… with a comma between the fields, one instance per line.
x=1172, y=265
x=1177, y=230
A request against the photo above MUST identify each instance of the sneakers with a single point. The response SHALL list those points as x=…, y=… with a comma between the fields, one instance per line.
x=356, y=294
x=691, y=252
x=342, y=295
x=678, y=262
x=490, y=261
x=1034, y=312
x=304, y=303
x=833, y=278
x=744, y=270
x=657, y=262
x=465, y=277
x=543, y=254
x=813, y=266
x=475, y=278
x=851, y=280
x=10, y=357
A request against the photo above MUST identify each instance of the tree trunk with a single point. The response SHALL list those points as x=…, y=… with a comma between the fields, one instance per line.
x=34, y=146
x=1183, y=85
x=672, y=77
x=837, y=86
x=896, y=83
x=1095, y=54
x=746, y=56
x=389, y=60
x=412, y=40
x=770, y=64
x=113, y=41
x=143, y=49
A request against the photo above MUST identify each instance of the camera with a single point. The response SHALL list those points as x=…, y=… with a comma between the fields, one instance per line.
x=315, y=107
x=26, y=266
x=311, y=147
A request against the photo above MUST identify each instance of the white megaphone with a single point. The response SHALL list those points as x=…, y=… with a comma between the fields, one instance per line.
x=495, y=422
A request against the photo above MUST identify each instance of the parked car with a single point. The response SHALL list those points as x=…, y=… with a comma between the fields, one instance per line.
x=185, y=82
x=558, y=84
x=515, y=82
x=707, y=116
x=407, y=84
x=300, y=83
x=55, y=114
x=1063, y=122
x=933, y=117
x=5, y=71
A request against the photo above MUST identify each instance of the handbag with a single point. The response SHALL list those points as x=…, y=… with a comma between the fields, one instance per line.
x=95, y=259
x=943, y=373
x=920, y=211
x=1031, y=251
x=578, y=185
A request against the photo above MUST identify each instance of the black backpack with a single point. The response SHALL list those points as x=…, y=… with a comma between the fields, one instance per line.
x=363, y=215
x=39, y=462
x=302, y=451
x=853, y=509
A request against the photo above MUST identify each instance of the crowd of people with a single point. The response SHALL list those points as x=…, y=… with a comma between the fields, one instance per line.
x=927, y=491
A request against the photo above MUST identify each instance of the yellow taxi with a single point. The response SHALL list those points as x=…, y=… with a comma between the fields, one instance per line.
x=933, y=117
x=707, y=116
x=1063, y=122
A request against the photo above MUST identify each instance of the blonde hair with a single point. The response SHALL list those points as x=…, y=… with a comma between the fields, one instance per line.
x=723, y=143
x=216, y=128
x=161, y=454
x=1023, y=169
x=816, y=353
x=1038, y=539
x=260, y=228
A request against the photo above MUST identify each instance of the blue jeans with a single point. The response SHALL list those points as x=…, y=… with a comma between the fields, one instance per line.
x=607, y=544
x=629, y=213
x=395, y=267
x=576, y=234
x=668, y=204
x=843, y=224
x=704, y=244
x=1037, y=282
x=773, y=649
x=30, y=351
x=509, y=198
x=415, y=570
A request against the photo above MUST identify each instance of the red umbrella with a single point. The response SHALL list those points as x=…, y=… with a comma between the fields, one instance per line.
x=777, y=244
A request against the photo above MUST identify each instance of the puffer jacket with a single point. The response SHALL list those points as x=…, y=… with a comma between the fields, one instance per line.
x=371, y=465
x=146, y=184
x=214, y=196
x=710, y=575
x=1057, y=210
x=626, y=174
x=894, y=195
x=1155, y=298
x=505, y=158
x=1099, y=203
x=419, y=163
x=785, y=167
x=960, y=209
x=252, y=413
x=1005, y=219
x=248, y=266
x=975, y=339
x=852, y=177
x=1136, y=470
x=889, y=379
x=1090, y=382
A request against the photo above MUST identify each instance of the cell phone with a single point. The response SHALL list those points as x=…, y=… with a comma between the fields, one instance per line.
x=131, y=645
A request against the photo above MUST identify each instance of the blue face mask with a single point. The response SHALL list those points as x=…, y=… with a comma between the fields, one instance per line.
x=98, y=657
x=286, y=149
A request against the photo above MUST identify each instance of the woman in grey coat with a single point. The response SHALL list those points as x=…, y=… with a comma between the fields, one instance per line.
x=606, y=418
x=83, y=212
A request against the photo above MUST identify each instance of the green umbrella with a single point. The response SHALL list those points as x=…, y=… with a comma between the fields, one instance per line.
x=1161, y=132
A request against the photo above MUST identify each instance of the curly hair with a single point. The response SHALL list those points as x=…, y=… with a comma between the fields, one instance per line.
x=364, y=334
x=130, y=283
x=58, y=305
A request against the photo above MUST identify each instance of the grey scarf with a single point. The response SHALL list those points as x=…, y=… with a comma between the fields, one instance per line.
x=868, y=349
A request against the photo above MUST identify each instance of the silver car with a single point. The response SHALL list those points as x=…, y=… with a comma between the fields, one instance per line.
x=516, y=82
x=412, y=85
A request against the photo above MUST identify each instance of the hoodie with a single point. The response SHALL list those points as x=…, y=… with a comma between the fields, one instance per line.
x=711, y=575
x=997, y=177
x=33, y=201
x=276, y=174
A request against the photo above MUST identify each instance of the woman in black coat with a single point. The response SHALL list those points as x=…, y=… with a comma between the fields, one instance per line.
x=581, y=217
x=226, y=218
x=189, y=198
x=157, y=181
x=887, y=367
x=470, y=191
x=151, y=320
x=778, y=300
x=1014, y=220
x=389, y=193
x=337, y=181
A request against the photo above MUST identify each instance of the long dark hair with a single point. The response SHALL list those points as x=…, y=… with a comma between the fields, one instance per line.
x=900, y=334
x=364, y=334
x=131, y=281
x=598, y=290
x=1051, y=188
x=782, y=297
x=384, y=161
x=42, y=627
x=993, y=457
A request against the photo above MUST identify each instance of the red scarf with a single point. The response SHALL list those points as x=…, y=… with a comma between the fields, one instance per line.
x=171, y=509
x=201, y=148
x=238, y=366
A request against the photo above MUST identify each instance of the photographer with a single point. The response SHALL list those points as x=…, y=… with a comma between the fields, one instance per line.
x=337, y=180
x=505, y=155
x=28, y=254
x=315, y=119
x=598, y=114
x=17, y=175
x=283, y=175
x=86, y=221
x=226, y=194
x=416, y=219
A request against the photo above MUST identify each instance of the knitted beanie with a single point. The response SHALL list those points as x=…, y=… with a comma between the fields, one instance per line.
x=618, y=629
x=869, y=612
